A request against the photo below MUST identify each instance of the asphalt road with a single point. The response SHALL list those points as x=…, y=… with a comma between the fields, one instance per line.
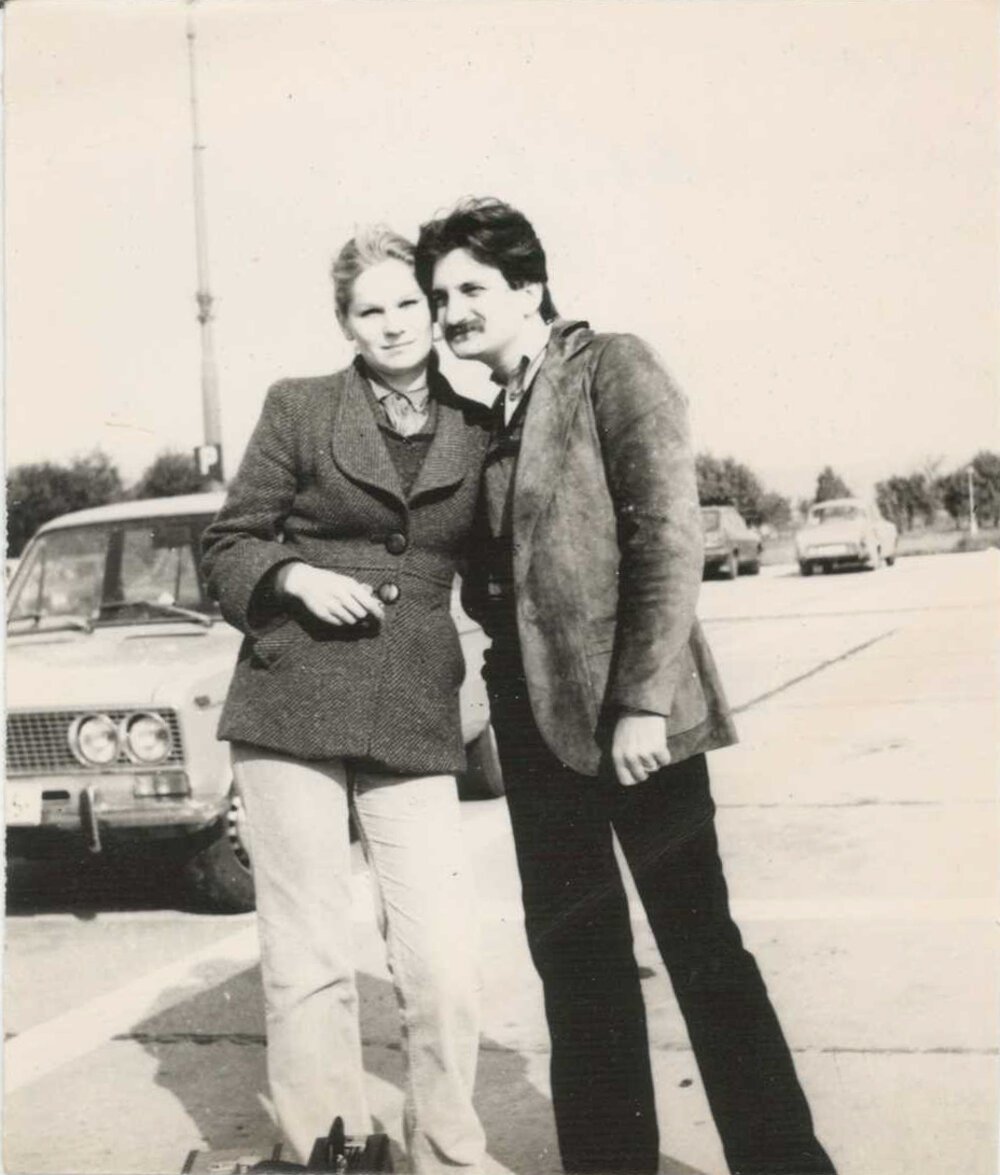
x=858, y=824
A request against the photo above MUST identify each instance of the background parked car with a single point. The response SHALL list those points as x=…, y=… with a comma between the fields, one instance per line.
x=731, y=547
x=845, y=532
x=117, y=668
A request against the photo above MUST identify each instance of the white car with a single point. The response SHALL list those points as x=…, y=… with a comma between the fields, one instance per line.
x=117, y=667
x=845, y=532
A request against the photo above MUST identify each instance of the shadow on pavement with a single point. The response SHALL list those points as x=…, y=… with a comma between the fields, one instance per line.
x=210, y=1055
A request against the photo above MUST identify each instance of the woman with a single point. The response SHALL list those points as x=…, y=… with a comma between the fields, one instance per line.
x=335, y=553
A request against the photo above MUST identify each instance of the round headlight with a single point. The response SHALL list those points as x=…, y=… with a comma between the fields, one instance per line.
x=147, y=738
x=93, y=739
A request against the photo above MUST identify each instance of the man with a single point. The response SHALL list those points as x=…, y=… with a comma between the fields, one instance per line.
x=605, y=699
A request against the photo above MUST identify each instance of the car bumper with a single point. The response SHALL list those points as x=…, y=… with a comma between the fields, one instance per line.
x=715, y=559
x=100, y=809
x=830, y=560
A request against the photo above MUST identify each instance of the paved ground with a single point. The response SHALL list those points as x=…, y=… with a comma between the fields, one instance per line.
x=858, y=823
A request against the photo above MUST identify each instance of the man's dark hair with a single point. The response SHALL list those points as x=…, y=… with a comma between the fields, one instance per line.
x=496, y=235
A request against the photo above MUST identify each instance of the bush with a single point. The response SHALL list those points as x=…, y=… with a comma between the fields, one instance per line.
x=39, y=492
x=171, y=474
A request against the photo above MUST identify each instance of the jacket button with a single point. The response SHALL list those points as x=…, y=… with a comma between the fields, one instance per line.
x=388, y=592
x=396, y=543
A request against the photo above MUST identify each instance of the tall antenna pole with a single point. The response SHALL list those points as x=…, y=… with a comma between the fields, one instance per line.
x=210, y=454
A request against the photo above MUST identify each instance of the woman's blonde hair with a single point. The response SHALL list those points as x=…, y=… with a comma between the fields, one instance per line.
x=369, y=246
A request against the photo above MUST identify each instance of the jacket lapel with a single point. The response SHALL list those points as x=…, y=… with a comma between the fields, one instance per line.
x=357, y=444
x=447, y=458
x=553, y=404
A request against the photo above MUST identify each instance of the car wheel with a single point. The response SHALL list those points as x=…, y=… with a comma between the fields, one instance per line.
x=731, y=567
x=890, y=560
x=482, y=779
x=219, y=874
x=806, y=568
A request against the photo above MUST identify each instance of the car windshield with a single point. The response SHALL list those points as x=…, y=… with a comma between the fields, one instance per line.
x=127, y=572
x=710, y=519
x=823, y=514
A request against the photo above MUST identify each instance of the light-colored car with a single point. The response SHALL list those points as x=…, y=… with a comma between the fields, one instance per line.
x=731, y=547
x=117, y=668
x=845, y=532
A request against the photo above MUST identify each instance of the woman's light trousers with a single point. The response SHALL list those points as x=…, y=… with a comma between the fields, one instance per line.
x=410, y=830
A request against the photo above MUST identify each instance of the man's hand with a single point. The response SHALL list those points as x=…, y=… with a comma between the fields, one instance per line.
x=328, y=595
x=639, y=747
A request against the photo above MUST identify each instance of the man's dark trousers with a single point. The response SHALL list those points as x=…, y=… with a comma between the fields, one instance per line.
x=577, y=921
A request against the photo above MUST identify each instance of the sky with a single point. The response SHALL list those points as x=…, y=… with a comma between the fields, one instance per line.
x=795, y=203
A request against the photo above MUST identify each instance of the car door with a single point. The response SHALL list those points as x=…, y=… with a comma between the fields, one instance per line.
x=743, y=540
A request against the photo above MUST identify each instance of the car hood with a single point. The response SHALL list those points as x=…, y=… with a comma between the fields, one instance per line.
x=122, y=666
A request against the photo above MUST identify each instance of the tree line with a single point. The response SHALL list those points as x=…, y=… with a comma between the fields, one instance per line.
x=38, y=492
x=923, y=493
x=44, y=490
x=728, y=482
x=905, y=499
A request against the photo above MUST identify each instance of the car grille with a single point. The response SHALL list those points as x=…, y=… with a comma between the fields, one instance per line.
x=37, y=742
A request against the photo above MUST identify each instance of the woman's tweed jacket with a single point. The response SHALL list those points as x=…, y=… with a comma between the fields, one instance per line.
x=317, y=484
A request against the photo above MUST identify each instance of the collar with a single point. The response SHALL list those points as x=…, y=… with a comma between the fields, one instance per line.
x=418, y=397
x=519, y=384
x=531, y=360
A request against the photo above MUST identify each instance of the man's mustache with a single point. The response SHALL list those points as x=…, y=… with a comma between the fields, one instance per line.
x=459, y=329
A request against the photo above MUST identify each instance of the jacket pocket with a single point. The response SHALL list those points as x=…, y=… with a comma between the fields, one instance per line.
x=271, y=646
x=690, y=706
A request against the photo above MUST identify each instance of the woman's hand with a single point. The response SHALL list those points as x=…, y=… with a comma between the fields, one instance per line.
x=639, y=747
x=328, y=595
